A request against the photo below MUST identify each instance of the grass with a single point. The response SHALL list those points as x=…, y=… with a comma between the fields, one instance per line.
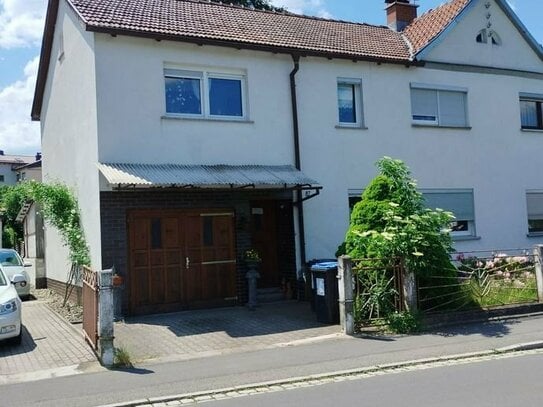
x=122, y=358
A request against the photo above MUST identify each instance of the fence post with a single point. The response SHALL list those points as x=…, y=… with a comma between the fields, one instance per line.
x=538, y=260
x=105, y=317
x=346, y=294
x=409, y=289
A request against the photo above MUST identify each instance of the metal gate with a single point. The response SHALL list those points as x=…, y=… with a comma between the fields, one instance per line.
x=90, y=306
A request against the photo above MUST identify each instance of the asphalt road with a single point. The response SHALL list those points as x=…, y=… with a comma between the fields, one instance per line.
x=508, y=382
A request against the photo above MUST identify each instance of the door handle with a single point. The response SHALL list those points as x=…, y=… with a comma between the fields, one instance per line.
x=187, y=263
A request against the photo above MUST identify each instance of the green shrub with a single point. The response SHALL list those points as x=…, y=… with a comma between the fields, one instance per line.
x=403, y=322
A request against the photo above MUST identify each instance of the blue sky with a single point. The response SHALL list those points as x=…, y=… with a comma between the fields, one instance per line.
x=21, y=26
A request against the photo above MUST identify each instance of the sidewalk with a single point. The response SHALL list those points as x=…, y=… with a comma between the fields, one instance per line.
x=282, y=362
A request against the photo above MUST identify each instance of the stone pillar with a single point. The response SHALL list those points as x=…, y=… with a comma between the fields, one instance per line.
x=538, y=260
x=346, y=294
x=106, y=349
x=409, y=291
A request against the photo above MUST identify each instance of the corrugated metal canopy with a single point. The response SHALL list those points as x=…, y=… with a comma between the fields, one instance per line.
x=218, y=176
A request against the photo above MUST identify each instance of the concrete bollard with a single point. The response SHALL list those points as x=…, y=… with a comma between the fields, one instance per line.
x=252, y=276
x=346, y=294
x=106, y=347
x=409, y=291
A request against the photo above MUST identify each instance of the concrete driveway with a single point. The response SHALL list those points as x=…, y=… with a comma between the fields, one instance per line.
x=49, y=343
x=192, y=334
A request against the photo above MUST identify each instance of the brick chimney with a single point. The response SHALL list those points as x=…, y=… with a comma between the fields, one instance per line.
x=400, y=13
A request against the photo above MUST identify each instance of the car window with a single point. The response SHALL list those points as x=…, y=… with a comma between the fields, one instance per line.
x=10, y=259
x=3, y=280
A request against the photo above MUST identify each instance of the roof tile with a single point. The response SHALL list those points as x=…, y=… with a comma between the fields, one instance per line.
x=429, y=25
x=221, y=22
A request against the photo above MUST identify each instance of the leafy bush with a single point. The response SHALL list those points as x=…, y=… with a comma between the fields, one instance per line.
x=403, y=322
x=391, y=222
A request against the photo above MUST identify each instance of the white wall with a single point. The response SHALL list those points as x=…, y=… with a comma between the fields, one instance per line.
x=459, y=45
x=131, y=103
x=495, y=158
x=68, y=125
x=10, y=177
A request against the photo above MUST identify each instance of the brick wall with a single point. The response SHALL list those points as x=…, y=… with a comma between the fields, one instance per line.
x=114, y=207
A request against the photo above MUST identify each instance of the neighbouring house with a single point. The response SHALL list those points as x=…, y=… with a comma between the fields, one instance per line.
x=29, y=171
x=9, y=165
x=192, y=131
x=33, y=248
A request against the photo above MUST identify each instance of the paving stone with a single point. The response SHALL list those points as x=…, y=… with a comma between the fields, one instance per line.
x=48, y=342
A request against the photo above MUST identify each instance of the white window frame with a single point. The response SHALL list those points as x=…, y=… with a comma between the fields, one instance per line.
x=205, y=106
x=528, y=216
x=358, y=102
x=438, y=89
x=457, y=235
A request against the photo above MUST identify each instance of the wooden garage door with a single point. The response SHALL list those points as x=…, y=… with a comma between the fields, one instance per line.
x=180, y=259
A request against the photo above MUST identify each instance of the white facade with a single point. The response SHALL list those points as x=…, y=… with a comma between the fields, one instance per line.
x=105, y=102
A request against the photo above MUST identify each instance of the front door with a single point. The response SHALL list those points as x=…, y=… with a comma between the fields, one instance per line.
x=180, y=259
x=264, y=240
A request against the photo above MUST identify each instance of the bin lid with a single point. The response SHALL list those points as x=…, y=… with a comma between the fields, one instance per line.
x=324, y=265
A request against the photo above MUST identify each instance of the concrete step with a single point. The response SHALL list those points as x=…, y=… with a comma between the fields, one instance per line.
x=265, y=295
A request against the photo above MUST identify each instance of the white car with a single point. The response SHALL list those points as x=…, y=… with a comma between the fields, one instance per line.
x=10, y=308
x=12, y=264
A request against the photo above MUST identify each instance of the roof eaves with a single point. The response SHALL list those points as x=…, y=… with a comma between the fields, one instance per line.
x=239, y=44
x=510, y=13
x=45, y=58
x=421, y=54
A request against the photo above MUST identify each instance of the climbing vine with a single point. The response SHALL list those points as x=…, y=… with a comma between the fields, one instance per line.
x=59, y=208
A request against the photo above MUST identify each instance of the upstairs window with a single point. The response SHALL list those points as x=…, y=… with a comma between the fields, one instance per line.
x=204, y=94
x=445, y=107
x=531, y=111
x=534, y=201
x=457, y=201
x=349, y=101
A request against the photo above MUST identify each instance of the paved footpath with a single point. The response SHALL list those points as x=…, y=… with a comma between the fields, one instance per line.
x=280, y=363
x=49, y=342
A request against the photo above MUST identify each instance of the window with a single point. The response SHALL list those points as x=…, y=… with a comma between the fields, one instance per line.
x=457, y=201
x=2, y=179
x=204, y=94
x=531, y=111
x=349, y=100
x=482, y=37
x=443, y=106
x=534, y=201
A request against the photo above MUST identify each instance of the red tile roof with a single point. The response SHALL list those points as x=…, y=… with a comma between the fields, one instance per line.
x=202, y=20
x=429, y=25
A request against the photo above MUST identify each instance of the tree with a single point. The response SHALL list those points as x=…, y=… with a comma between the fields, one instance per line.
x=257, y=4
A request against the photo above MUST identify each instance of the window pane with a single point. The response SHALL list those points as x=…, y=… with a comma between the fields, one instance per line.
x=458, y=202
x=183, y=95
x=346, y=94
x=535, y=225
x=452, y=109
x=208, y=230
x=424, y=104
x=528, y=113
x=156, y=233
x=534, y=203
x=225, y=97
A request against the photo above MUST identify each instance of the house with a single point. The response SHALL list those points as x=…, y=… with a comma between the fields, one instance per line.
x=193, y=131
x=9, y=165
x=29, y=171
x=33, y=248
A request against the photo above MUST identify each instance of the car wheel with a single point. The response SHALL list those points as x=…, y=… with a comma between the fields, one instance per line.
x=18, y=339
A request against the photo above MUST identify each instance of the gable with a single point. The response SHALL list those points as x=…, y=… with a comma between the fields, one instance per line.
x=483, y=34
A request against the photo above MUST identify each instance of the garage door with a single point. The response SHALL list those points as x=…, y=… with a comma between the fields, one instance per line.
x=181, y=259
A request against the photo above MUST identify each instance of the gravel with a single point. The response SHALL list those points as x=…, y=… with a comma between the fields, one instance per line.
x=71, y=312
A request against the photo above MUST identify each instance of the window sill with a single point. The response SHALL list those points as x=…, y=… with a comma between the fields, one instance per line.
x=531, y=130
x=347, y=127
x=441, y=127
x=464, y=238
x=535, y=234
x=206, y=119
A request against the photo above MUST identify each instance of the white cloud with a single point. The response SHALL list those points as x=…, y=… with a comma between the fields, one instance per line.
x=21, y=22
x=309, y=7
x=18, y=134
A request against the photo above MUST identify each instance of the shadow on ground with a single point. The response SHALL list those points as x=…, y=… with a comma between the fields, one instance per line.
x=236, y=322
x=28, y=345
x=490, y=329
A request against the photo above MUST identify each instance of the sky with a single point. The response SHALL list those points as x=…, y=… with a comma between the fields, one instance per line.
x=21, y=28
